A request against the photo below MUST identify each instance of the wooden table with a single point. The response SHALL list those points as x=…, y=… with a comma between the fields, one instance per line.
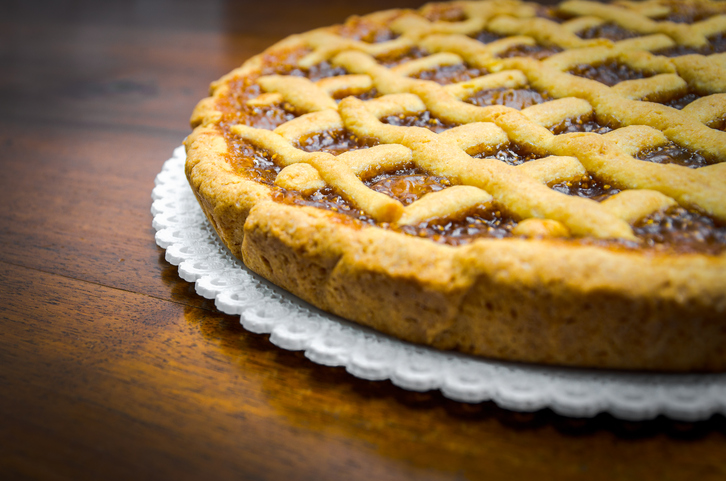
x=111, y=367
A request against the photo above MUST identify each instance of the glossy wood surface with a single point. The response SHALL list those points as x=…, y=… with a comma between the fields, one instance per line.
x=111, y=367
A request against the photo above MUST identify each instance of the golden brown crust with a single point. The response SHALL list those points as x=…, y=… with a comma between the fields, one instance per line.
x=530, y=301
x=225, y=198
x=540, y=299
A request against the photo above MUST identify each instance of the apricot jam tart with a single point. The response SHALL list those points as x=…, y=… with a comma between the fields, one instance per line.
x=527, y=183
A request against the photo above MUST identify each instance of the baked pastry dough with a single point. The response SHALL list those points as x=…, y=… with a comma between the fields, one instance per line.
x=500, y=178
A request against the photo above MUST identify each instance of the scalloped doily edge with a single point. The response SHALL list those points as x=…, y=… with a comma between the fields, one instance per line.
x=192, y=245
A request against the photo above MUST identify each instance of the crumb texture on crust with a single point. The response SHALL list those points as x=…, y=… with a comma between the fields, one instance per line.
x=580, y=129
x=506, y=302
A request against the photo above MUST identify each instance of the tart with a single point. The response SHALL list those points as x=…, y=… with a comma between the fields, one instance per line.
x=505, y=179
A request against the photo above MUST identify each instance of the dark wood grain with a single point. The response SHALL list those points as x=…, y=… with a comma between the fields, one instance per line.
x=111, y=366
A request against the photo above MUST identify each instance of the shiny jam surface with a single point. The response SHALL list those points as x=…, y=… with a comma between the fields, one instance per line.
x=586, y=186
x=362, y=95
x=688, y=12
x=236, y=110
x=681, y=230
x=319, y=71
x=675, y=230
x=580, y=124
x=549, y=13
x=487, y=37
x=718, y=124
x=716, y=44
x=610, y=72
x=407, y=185
x=449, y=74
x=476, y=224
x=391, y=60
x=509, y=97
x=234, y=106
x=424, y=119
x=360, y=28
x=326, y=199
x=611, y=31
x=441, y=12
x=255, y=163
x=673, y=154
x=538, y=52
x=333, y=142
x=511, y=154
x=681, y=101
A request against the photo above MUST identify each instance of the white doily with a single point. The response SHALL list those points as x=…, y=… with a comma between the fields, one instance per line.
x=193, y=245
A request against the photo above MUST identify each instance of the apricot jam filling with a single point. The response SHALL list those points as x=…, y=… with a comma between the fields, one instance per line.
x=235, y=109
x=718, y=124
x=686, y=12
x=361, y=95
x=449, y=74
x=444, y=13
x=586, y=186
x=586, y=123
x=476, y=224
x=681, y=230
x=509, y=97
x=549, y=13
x=609, y=30
x=283, y=61
x=326, y=199
x=610, y=72
x=360, y=28
x=397, y=58
x=539, y=52
x=716, y=44
x=320, y=71
x=254, y=163
x=536, y=51
x=682, y=100
x=407, y=185
x=234, y=105
x=512, y=154
x=673, y=154
x=487, y=37
x=424, y=119
x=333, y=142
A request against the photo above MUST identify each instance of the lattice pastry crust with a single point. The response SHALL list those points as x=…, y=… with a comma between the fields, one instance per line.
x=573, y=279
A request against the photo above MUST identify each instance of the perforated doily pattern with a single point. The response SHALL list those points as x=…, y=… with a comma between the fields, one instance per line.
x=193, y=246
